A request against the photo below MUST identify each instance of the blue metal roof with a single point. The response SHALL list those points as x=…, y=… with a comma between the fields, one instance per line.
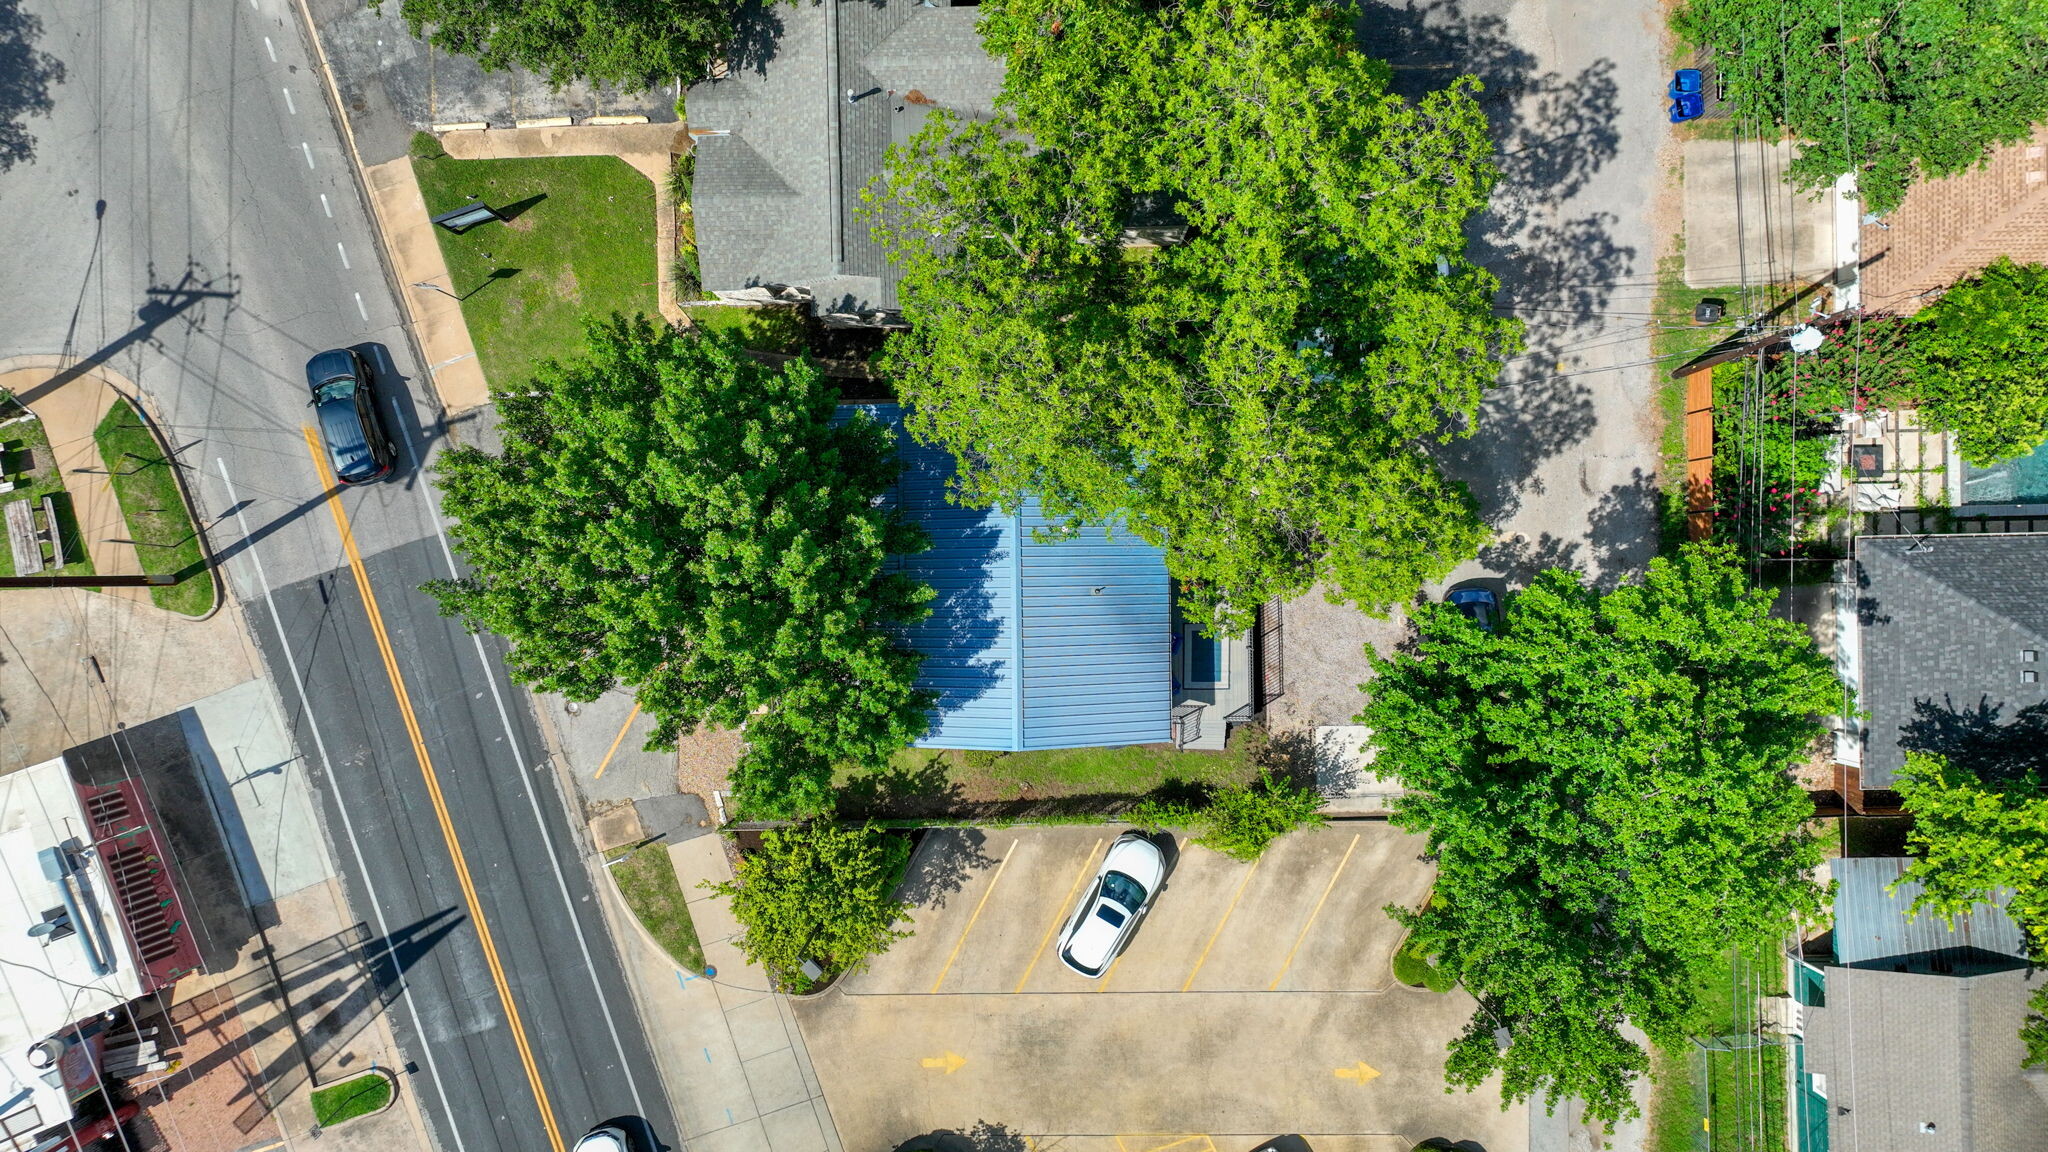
x=1873, y=928
x=1031, y=644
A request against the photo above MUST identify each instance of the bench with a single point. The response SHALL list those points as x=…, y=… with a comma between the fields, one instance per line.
x=26, y=540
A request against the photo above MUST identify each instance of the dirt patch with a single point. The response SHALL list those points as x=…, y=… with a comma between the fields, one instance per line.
x=566, y=285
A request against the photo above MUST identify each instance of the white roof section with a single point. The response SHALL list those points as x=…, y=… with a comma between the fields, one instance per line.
x=47, y=984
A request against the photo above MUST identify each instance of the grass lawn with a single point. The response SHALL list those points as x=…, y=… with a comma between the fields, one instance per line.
x=153, y=503
x=647, y=879
x=927, y=781
x=762, y=329
x=350, y=1099
x=27, y=461
x=581, y=244
x=1744, y=1104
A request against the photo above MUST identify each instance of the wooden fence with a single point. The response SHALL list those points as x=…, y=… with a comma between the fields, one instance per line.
x=1699, y=454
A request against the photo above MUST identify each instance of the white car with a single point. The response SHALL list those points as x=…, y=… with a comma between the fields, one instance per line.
x=1107, y=915
x=604, y=1138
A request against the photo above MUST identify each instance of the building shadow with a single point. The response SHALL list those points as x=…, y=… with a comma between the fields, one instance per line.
x=1978, y=739
x=27, y=74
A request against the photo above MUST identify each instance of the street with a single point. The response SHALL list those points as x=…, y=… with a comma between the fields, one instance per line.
x=185, y=214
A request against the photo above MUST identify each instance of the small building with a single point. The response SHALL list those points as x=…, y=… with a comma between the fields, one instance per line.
x=1032, y=643
x=91, y=922
x=1910, y=1026
x=1949, y=634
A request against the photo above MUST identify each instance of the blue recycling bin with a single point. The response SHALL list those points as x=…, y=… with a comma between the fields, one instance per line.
x=1687, y=80
x=1687, y=106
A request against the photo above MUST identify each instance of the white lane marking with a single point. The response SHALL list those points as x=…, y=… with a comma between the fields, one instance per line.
x=326, y=207
x=267, y=45
x=308, y=150
x=344, y=253
x=348, y=825
x=288, y=102
x=604, y=1004
x=360, y=308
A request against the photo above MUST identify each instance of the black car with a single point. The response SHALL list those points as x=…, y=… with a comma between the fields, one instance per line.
x=346, y=405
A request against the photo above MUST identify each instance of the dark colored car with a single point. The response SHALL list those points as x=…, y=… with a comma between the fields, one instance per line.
x=1479, y=606
x=345, y=407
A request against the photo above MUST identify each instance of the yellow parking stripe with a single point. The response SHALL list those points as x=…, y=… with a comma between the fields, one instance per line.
x=1312, y=914
x=1234, y=898
x=982, y=903
x=419, y=748
x=1058, y=915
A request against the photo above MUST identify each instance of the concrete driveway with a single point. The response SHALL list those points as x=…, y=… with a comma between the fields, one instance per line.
x=1255, y=1000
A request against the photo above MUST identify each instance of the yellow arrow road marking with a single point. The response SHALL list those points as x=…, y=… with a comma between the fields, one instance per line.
x=951, y=1062
x=1361, y=1073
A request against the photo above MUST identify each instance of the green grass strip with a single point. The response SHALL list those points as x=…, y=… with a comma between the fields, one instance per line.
x=647, y=879
x=153, y=503
x=351, y=1098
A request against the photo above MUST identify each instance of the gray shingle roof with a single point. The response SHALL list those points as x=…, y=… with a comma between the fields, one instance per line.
x=1873, y=926
x=774, y=204
x=1946, y=622
x=1900, y=1050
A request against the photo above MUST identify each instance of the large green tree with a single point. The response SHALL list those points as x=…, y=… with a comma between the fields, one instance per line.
x=1894, y=91
x=628, y=43
x=1603, y=783
x=671, y=515
x=1259, y=396
x=1980, y=361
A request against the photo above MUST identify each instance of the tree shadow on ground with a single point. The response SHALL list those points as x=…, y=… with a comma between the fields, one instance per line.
x=26, y=76
x=756, y=30
x=942, y=864
x=1624, y=529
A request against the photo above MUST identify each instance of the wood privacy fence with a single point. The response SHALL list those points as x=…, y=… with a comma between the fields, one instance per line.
x=1699, y=454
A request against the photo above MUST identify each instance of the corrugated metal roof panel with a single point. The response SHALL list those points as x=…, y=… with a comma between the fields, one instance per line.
x=1872, y=925
x=1032, y=644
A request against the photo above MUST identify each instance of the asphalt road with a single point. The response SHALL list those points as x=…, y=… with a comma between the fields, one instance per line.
x=175, y=202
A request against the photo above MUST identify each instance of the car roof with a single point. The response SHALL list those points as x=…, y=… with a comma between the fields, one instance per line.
x=328, y=365
x=602, y=1140
x=1138, y=858
x=1471, y=596
x=341, y=426
x=1095, y=937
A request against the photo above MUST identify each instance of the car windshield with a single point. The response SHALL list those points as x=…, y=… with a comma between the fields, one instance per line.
x=1124, y=890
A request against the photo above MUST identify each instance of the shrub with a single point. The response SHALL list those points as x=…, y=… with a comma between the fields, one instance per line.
x=1238, y=820
x=818, y=892
x=683, y=273
x=1980, y=352
x=1412, y=968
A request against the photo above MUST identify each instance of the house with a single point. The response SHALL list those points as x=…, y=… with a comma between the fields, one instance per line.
x=1909, y=1027
x=92, y=924
x=797, y=125
x=1038, y=642
x=1949, y=635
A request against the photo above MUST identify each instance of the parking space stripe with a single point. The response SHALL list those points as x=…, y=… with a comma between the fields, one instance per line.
x=982, y=903
x=1058, y=914
x=1234, y=898
x=1313, y=913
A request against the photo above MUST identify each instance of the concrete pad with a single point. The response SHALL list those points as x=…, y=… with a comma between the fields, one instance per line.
x=756, y=1028
x=795, y=1129
x=674, y=818
x=1200, y=895
x=616, y=829
x=744, y=1136
x=1350, y=944
x=1221, y=1063
x=1784, y=234
x=776, y=1081
x=262, y=797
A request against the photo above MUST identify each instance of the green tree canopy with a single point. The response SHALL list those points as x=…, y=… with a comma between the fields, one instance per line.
x=670, y=515
x=1980, y=361
x=818, y=892
x=628, y=43
x=1603, y=783
x=1981, y=827
x=1895, y=91
x=1258, y=396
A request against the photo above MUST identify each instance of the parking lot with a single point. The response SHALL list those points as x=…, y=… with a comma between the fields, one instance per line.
x=1254, y=1000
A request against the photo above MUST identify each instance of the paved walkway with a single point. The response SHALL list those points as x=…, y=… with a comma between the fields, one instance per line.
x=735, y=1065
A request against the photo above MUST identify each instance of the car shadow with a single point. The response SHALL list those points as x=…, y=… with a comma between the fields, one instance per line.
x=413, y=439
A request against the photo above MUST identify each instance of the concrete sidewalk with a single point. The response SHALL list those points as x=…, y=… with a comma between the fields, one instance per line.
x=729, y=1049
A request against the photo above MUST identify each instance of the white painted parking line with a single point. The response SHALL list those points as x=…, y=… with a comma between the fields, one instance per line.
x=326, y=207
x=267, y=45
x=360, y=308
x=344, y=253
x=308, y=150
x=294, y=108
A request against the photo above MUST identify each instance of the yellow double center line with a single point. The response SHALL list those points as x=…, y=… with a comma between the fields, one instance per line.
x=419, y=747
